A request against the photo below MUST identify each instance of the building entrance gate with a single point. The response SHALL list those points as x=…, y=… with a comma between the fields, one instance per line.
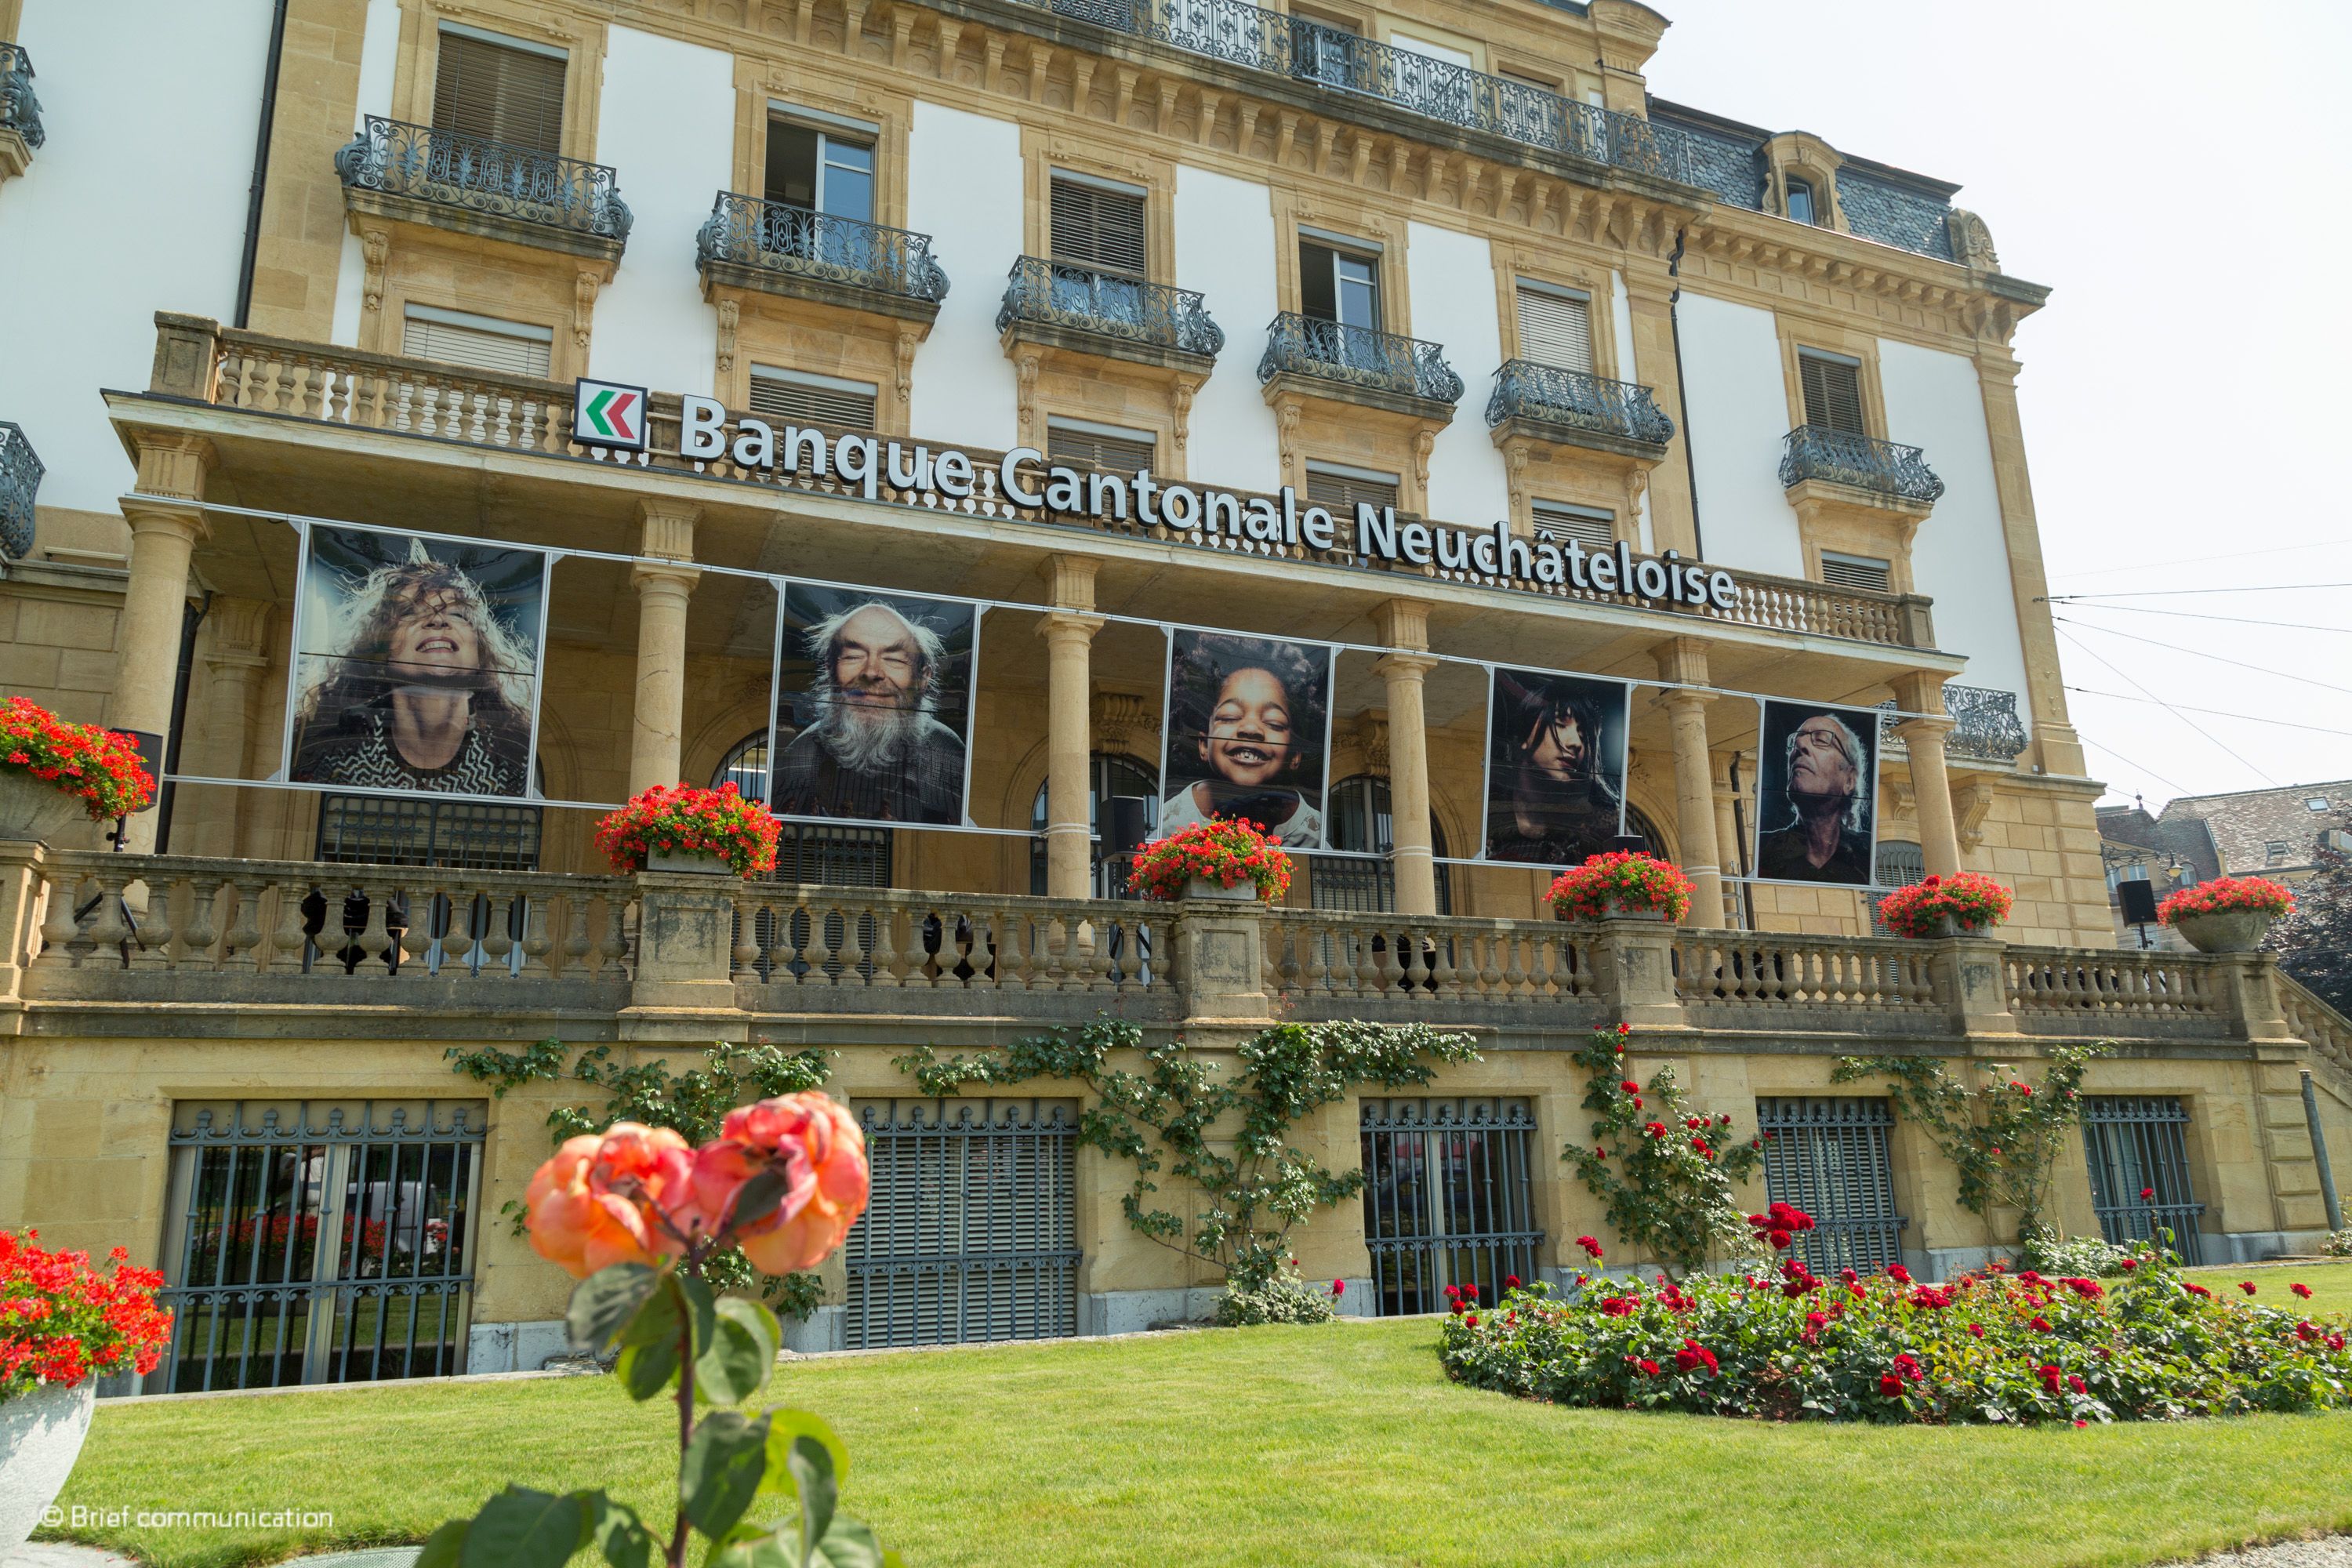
x=321, y=1243
x=1448, y=1199
x=972, y=1233
x=1828, y=1156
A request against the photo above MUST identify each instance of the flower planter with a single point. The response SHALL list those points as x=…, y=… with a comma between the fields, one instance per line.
x=1948, y=925
x=1619, y=913
x=32, y=808
x=40, y=1437
x=2229, y=930
x=1239, y=893
x=693, y=860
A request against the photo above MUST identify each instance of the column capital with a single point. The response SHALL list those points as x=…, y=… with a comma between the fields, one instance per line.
x=1685, y=699
x=171, y=463
x=654, y=579
x=1070, y=580
x=1929, y=727
x=1403, y=623
x=1681, y=661
x=1920, y=690
x=669, y=527
x=1063, y=625
x=1405, y=666
x=183, y=521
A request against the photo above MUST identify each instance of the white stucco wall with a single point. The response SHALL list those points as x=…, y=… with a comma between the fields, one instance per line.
x=1959, y=557
x=1738, y=405
x=1621, y=322
x=1225, y=248
x=666, y=124
x=82, y=270
x=963, y=189
x=1452, y=300
x=379, y=51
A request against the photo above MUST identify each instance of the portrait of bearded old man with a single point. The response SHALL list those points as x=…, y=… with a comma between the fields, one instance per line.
x=1821, y=808
x=876, y=749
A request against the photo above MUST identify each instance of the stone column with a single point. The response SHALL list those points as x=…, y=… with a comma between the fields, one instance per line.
x=1940, y=836
x=1069, y=633
x=658, y=711
x=1404, y=625
x=1682, y=662
x=220, y=741
x=166, y=527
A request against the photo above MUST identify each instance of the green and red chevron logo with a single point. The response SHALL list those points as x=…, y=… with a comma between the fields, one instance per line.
x=607, y=414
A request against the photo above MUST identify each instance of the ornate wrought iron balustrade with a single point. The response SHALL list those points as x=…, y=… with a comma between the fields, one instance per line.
x=20, y=480
x=1055, y=293
x=1357, y=356
x=449, y=168
x=774, y=238
x=1526, y=390
x=1846, y=458
x=1984, y=723
x=20, y=110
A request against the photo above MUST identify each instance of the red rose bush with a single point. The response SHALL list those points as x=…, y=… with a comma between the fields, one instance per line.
x=1974, y=903
x=682, y=819
x=99, y=767
x=2227, y=896
x=1989, y=1347
x=1223, y=851
x=63, y=1322
x=1620, y=882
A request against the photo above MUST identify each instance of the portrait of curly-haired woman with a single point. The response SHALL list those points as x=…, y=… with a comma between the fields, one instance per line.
x=1555, y=767
x=1247, y=721
x=418, y=664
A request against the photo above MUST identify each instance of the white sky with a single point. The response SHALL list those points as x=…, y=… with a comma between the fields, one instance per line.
x=2177, y=174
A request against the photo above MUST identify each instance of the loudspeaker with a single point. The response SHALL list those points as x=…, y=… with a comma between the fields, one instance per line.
x=2138, y=899
x=1125, y=823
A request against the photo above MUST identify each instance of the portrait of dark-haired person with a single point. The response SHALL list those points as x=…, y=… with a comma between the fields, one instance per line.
x=875, y=747
x=1245, y=734
x=1555, y=767
x=1815, y=817
x=422, y=685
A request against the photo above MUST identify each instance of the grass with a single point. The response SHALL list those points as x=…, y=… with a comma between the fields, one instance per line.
x=2331, y=1284
x=1336, y=1446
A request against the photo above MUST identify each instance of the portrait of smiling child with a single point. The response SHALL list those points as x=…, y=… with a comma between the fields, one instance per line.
x=1246, y=734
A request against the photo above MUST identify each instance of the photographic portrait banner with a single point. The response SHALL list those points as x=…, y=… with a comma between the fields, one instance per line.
x=1817, y=793
x=873, y=706
x=417, y=664
x=1556, y=748
x=1247, y=734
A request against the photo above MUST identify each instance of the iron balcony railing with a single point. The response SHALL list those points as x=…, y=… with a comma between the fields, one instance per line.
x=450, y=168
x=20, y=480
x=1985, y=723
x=1055, y=293
x=1848, y=457
x=775, y=237
x=1357, y=356
x=1526, y=390
x=19, y=111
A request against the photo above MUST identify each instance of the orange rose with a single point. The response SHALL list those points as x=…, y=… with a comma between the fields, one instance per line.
x=824, y=1159
x=596, y=1201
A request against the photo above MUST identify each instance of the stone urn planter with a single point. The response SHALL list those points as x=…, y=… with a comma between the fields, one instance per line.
x=2229, y=930
x=30, y=809
x=1242, y=892
x=40, y=1437
x=693, y=860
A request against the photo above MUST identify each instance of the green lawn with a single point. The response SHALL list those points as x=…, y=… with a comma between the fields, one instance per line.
x=2331, y=1284
x=1328, y=1447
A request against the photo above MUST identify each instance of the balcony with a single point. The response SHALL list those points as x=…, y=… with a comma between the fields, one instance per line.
x=20, y=111
x=1569, y=408
x=1062, y=306
x=747, y=243
x=1897, y=474
x=1357, y=365
x=20, y=480
x=1985, y=724
x=446, y=179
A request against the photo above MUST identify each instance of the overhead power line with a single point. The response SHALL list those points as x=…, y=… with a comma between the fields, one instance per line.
x=2176, y=713
x=2126, y=761
x=2200, y=616
x=2201, y=560
x=2176, y=593
x=2217, y=712
x=2199, y=653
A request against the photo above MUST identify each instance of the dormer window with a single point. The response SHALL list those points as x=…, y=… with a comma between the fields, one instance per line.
x=1801, y=200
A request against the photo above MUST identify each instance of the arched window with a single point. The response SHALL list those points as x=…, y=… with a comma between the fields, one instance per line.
x=1801, y=200
x=1900, y=864
x=845, y=856
x=1107, y=774
x=1356, y=818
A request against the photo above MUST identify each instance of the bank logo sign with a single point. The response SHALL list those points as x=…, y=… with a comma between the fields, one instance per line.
x=609, y=414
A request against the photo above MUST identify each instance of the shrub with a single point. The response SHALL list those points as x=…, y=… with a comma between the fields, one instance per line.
x=2226, y=895
x=1988, y=1348
x=2339, y=1245
x=1223, y=851
x=1283, y=1299
x=2057, y=1256
x=1974, y=903
x=684, y=819
x=1619, y=882
x=63, y=1322
x=96, y=766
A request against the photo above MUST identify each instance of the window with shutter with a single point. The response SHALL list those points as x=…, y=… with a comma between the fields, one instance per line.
x=506, y=90
x=1856, y=572
x=1832, y=391
x=1098, y=227
x=803, y=399
x=483, y=343
x=1341, y=488
x=1556, y=328
x=1111, y=451
x=1592, y=529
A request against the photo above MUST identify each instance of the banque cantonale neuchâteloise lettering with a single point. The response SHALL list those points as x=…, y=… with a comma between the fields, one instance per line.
x=872, y=462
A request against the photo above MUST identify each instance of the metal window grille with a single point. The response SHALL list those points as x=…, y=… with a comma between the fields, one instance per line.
x=1901, y=864
x=317, y=1243
x=1828, y=1157
x=1357, y=818
x=368, y=830
x=2134, y=1144
x=1832, y=393
x=972, y=1230
x=811, y=400
x=1448, y=1198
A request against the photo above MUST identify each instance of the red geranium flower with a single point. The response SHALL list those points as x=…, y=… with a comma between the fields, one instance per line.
x=2301, y=1290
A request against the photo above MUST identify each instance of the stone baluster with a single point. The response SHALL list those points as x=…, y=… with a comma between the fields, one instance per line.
x=244, y=949
x=497, y=931
x=613, y=950
x=61, y=930
x=416, y=931
x=536, y=942
x=374, y=941
x=203, y=929
x=112, y=929
x=745, y=958
x=576, y=940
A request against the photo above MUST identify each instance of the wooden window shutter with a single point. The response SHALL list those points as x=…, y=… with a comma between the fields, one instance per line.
x=1856, y=572
x=1832, y=393
x=511, y=347
x=1110, y=454
x=1340, y=492
x=779, y=396
x=509, y=95
x=1554, y=329
x=1098, y=228
x=1592, y=529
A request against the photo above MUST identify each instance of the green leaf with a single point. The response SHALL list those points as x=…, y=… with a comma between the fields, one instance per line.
x=811, y=1465
x=620, y=1534
x=523, y=1528
x=784, y=1428
x=743, y=1353
x=603, y=1304
x=779, y=1547
x=659, y=1317
x=757, y=1199
x=720, y=1473
x=445, y=1547
x=645, y=1369
x=847, y=1544
x=700, y=1305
